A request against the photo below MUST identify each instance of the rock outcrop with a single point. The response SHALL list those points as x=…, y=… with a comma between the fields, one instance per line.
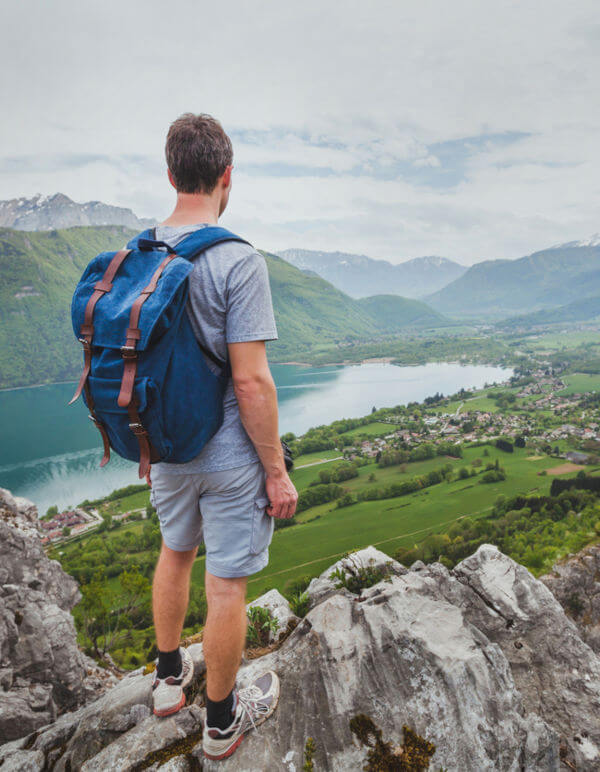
x=474, y=669
x=575, y=582
x=42, y=670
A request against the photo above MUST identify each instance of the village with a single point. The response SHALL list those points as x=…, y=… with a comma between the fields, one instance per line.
x=536, y=415
x=535, y=420
x=60, y=525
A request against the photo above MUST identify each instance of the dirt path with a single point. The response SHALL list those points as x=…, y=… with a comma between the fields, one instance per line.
x=564, y=469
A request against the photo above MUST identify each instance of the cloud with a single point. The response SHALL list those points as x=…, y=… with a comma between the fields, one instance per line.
x=383, y=128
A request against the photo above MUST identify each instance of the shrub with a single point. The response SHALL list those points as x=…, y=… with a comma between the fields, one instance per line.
x=355, y=577
x=300, y=603
x=260, y=626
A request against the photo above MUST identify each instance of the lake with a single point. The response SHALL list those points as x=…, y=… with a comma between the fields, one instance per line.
x=49, y=452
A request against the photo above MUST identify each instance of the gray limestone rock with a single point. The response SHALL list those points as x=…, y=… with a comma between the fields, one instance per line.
x=25, y=761
x=324, y=586
x=42, y=670
x=576, y=585
x=280, y=610
x=481, y=661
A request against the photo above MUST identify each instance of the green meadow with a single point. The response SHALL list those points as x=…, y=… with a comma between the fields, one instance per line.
x=580, y=383
x=325, y=533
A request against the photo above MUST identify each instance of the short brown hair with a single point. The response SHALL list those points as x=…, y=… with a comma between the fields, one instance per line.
x=198, y=151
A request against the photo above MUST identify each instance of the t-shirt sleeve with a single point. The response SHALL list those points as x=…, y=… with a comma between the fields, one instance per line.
x=249, y=304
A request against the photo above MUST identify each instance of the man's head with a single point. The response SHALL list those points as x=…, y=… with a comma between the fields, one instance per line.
x=199, y=157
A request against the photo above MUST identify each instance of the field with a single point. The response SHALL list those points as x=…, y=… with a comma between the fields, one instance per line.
x=376, y=429
x=564, y=469
x=324, y=532
x=580, y=383
x=309, y=547
x=555, y=341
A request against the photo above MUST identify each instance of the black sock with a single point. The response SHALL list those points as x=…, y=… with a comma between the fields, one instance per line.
x=219, y=714
x=169, y=663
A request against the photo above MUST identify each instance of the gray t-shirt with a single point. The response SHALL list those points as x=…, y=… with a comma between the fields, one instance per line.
x=229, y=302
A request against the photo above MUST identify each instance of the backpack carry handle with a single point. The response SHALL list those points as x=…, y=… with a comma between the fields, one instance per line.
x=146, y=245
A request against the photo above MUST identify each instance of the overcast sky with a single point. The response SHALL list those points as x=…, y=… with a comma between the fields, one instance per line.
x=468, y=129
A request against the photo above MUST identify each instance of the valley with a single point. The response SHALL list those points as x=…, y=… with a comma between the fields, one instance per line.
x=429, y=480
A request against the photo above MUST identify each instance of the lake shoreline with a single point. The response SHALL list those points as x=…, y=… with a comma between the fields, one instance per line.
x=61, y=466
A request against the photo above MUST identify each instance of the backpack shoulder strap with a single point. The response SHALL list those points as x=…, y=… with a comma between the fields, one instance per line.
x=191, y=245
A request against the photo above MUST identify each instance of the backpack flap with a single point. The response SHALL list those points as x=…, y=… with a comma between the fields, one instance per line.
x=111, y=319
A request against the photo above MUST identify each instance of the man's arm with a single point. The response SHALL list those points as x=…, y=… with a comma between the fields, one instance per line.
x=257, y=400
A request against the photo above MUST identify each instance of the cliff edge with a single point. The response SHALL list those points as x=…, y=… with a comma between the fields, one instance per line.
x=477, y=668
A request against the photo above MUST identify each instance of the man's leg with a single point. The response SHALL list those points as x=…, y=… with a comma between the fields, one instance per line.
x=170, y=595
x=224, y=634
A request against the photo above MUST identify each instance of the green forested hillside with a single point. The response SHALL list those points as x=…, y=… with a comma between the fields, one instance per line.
x=501, y=288
x=394, y=313
x=39, y=270
x=582, y=310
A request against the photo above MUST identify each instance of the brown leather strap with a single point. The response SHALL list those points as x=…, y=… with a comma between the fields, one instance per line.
x=86, y=332
x=135, y=424
x=134, y=334
x=130, y=357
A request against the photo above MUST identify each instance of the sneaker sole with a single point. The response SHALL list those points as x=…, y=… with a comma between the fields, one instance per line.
x=232, y=748
x=170, y=711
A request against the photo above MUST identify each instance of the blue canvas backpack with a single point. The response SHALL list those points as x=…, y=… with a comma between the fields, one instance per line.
x=145, y=381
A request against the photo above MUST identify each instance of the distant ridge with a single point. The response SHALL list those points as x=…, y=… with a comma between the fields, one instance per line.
x=45, y=213
x=582, y=310
x=39, y=270
x=552, y=277
x=360, y=276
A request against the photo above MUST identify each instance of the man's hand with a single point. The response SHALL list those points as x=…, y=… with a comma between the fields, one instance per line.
x=282, y=496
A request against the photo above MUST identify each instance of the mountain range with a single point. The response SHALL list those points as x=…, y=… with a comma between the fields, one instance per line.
x=360, y=276
x=39, y=270
x=43, y=213
x=501, y=288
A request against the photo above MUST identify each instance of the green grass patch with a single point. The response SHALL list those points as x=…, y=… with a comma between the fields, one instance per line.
x=580, y=383
x=309, y=547
x=376, y=429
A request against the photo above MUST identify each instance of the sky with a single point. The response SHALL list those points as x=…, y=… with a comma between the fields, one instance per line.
x=469, y=130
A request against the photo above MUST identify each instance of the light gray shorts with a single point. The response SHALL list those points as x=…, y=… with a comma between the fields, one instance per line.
x=224, y=509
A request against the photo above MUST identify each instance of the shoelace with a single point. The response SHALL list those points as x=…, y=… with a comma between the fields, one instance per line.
x=250, y=700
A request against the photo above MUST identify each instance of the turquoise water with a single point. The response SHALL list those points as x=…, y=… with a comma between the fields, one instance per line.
x=49, y=452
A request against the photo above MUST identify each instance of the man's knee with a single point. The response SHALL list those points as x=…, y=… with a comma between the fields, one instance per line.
x=224, y=591
x=177, y=559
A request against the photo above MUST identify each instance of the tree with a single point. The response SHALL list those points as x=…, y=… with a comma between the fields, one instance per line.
x=106, y=614
x=66, y=531
x=52, y=511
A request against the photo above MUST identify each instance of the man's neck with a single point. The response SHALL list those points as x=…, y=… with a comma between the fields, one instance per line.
x=193, y=208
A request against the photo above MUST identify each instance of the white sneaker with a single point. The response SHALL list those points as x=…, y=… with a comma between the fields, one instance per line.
x=167, y=693
x=255, y=704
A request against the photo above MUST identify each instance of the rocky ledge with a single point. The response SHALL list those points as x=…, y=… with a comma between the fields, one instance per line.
x=576, y=583
x=42, y=671
x=472, y=669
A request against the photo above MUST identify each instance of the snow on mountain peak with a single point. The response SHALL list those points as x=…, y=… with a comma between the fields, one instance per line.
x=592, y=241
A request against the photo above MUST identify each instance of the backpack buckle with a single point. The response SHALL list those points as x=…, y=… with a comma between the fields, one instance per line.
x=129, y=352
x=138, y=429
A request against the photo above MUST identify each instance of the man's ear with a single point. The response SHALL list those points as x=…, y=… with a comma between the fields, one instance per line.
x=226, y=176
x=171, y=180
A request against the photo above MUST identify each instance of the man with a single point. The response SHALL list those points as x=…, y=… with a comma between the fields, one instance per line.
x=230, y=493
